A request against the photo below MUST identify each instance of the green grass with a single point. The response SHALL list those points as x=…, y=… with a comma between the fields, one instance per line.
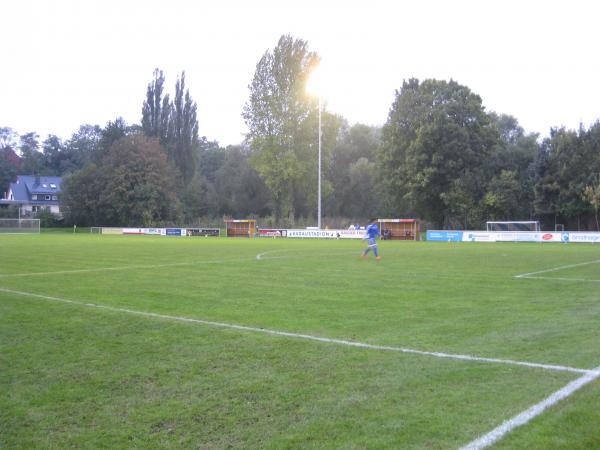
x=72, y=375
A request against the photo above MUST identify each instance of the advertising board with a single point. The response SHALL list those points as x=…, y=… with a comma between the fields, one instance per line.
x=272, y=232
x=447, y=236
x=327, y=234
x=202, y=232
x=351, y=234
x=510, y=236
x=133, y=231
x=479, y=236
x=591, y=238
x=112, y=230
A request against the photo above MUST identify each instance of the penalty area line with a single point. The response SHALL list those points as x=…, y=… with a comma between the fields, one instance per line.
x=555, y=269
x=532, y=412
x=306, y=336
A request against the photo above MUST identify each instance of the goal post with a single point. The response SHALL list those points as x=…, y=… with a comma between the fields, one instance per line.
x=517, y=225
x=19, y=226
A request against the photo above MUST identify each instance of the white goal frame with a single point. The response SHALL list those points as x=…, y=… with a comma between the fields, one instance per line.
x=513, y=225
x=19, y=226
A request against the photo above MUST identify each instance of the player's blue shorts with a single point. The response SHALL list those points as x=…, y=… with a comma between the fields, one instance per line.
x=372, y=242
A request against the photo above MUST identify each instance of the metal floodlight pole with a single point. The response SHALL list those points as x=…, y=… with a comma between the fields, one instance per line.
x=319, y=175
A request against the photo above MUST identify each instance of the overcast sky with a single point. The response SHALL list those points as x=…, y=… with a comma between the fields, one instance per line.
x=66, y=63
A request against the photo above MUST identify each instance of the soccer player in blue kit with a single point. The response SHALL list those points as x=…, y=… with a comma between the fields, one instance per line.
x=372, y=234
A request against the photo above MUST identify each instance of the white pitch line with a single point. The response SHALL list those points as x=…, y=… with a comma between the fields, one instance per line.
x=306, y=336
x=532, y=412
x=262, y=255
x=555, y=269
x=259, y=256
x=105, y=269
x=585, y=280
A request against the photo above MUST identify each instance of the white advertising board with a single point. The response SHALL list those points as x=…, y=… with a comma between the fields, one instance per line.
x=326, y=234
x=527, y=236
x=592, y=238
x=133, y=231
x=478, y=236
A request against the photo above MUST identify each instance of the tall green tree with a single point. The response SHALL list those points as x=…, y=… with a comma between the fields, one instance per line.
x=283, y=131
x=199, y=200
x=435, y=143
x=504, y=197
x=141, y=187
x=351, y=180
x=112, y=132
x=133, y=185
x=182, y=138
x=9, y=168
x=33, y=162
x=363, y=200
x=591, y=194
x=210, y=158
x=10, y=163
x=555, y=196
x=567, y=162
x=8, y=138
x=240, y=190
x=56, y=158
x=81, y=195
x=81, y=148
x=155, y=110
x=510, y=192
x=174, y=123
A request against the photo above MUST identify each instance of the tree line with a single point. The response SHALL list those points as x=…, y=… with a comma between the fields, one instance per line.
x=440, y=157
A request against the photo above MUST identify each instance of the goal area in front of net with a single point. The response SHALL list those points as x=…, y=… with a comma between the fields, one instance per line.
x=527, y=225
x=19, y=226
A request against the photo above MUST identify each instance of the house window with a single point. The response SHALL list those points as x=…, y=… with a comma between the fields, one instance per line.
x=47, y=197
x=34, y=197
x=54, y=197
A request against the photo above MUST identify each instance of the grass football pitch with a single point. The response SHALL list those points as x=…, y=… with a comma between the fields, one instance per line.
x=156, y=342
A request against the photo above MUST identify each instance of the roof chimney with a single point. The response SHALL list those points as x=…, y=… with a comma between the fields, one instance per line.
x=37, y=180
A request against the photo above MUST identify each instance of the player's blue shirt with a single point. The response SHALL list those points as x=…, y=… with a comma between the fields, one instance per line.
x=373, y=231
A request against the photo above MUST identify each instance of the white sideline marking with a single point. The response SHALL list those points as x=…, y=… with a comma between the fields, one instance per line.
x=260, y=256
x=306, y=336
x=555, y=269
x=586, y=280
x=104, y=269
x=532, y=412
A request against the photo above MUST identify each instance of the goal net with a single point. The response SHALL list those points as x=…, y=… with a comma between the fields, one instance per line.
x=529, y=225
x=20, y=226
